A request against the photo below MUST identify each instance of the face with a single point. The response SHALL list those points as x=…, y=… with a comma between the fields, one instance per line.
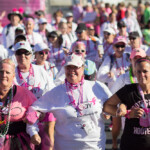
x=112, y=17
x=63, y=29
x=58, y=19
x=29, y=25
x=69, y=19
x=23, y=57
x=91, y=31
x=108, y=37
x=52, y=39
x=81, y=35
x=42, y=26
x=6, y=75
x=142, y=72
x=80, y=50
x=134, y=42
x=41, y=55
x=122, y=30
x=74, y=74
x=119, y=49
x=14, y=19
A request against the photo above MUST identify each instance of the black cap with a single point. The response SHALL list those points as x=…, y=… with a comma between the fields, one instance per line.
x=81, y=27
x=134, y=34
x=40, y=12
x=121, y=24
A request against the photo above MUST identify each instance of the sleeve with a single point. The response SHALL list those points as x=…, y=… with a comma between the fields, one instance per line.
x=123, y=94
x=102, y=74
x=119, y=83
x=32, y=129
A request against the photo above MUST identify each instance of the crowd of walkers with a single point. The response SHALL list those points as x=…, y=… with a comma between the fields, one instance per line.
x=60, y=79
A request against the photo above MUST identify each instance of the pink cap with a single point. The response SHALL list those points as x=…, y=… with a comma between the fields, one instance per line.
x=137, y=52
x=119, y=39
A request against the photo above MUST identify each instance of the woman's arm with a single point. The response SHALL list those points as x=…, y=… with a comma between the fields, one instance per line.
x=110, y=106
x=50, y=128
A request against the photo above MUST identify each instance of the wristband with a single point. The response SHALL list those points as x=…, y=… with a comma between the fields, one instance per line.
x=127, y=114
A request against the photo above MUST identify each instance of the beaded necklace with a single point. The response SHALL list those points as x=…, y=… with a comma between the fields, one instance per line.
x=7, y=103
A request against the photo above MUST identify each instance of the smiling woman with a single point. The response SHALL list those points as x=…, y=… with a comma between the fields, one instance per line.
x=137, y=111
x=14, y=101
x=77, y=108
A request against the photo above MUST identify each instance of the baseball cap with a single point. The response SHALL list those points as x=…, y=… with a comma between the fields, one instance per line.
x=40, y=47
x=121, y=24
x=42, y=21
x=81, y=27
x=75, y=60
x=23, y=45
x=137, y=52
x=119, y=39
x=110, y=30
x=134, y=34
x=69, y=14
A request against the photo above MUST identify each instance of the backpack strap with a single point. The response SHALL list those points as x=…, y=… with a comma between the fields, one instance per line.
x=8, y=29
x=112, y=60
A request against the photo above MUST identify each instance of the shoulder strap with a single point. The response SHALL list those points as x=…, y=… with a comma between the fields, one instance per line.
x=8, y=28
x=127, y=56
x=112, y=60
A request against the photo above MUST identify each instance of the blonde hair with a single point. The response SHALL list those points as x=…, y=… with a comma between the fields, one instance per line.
x=9, y=62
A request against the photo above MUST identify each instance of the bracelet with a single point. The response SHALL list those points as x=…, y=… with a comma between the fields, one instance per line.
x=127, y=114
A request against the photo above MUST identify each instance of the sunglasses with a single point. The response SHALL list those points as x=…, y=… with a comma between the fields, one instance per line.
x=42, y=53
x=80, y=32
x=120, y=46
x=79, y=51
x=106, y=33
x=132, y=38
x=22, y=52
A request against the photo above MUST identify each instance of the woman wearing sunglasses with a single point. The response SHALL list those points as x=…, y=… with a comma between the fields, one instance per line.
x=114, y=65
x=29, y=75
x=41, y=52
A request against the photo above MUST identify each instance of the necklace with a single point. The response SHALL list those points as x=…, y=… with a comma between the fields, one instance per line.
x=4, y=130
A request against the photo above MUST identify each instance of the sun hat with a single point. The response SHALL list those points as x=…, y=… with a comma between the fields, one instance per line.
x=119, y=39
x=40, y=47
x=75, y=60
x=137, y=52
x=15, y=12
x=23, y=45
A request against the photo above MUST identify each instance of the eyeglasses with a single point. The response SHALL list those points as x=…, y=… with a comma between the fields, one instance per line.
x=106, y=33
x=79, y=51
x=43, y=52
x=120, y=46
x=132, y=38
x=23, y=52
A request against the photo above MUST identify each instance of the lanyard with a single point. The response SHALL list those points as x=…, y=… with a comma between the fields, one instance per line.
x=70, y=88
x=132, y=79
x=30, y=78
x=31, y=42
x=142, y=94
x=117, y=66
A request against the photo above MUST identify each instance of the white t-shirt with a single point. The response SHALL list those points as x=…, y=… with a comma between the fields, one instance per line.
x=3, y=52
x=9, y=39
x=50, y=68
x=118, y=65
x=40, y=80
x=74, y=130
x=34, y=38
x=121, y=82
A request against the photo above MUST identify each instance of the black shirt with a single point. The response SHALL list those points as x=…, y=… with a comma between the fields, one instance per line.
x=135, y=137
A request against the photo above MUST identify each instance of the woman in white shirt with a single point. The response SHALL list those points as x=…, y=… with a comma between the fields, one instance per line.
x=78, y=109
x=114, y=65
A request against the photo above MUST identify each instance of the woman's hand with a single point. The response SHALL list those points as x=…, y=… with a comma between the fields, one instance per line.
x=110, y=74
x=121, y=111
x=36, y=139
x=66, y=51
x=136, y=113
